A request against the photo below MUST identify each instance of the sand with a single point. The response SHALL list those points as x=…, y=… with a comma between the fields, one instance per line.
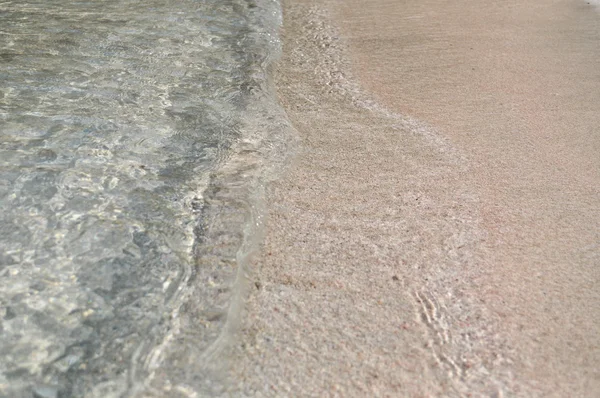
x=438, y=231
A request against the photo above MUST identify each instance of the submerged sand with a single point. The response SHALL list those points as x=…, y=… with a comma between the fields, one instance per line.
x=450, y=251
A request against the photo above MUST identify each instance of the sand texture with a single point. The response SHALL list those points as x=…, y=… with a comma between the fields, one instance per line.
x=438, y=232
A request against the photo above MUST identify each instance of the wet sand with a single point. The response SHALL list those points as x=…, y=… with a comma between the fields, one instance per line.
x=438, y=233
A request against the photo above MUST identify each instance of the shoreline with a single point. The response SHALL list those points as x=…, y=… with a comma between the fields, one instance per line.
x=384, y=267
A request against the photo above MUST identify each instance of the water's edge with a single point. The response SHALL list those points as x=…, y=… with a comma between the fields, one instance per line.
x=234, y=195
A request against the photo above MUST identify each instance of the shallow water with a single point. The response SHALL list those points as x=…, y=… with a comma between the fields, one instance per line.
x=117, y=119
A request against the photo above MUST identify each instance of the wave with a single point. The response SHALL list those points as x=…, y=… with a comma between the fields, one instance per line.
x=137, y=139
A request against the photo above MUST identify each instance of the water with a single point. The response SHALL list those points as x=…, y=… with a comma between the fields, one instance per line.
x=135, y=141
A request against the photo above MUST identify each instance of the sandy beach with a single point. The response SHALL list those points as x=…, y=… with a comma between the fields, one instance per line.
x=438, y=232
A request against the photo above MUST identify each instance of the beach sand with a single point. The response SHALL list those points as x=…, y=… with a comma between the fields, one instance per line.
x=438, y=232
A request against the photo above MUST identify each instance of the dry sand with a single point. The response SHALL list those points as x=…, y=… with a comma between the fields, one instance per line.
x=451, y=251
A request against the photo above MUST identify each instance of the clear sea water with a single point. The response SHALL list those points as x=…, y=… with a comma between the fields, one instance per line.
x=135, y=141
